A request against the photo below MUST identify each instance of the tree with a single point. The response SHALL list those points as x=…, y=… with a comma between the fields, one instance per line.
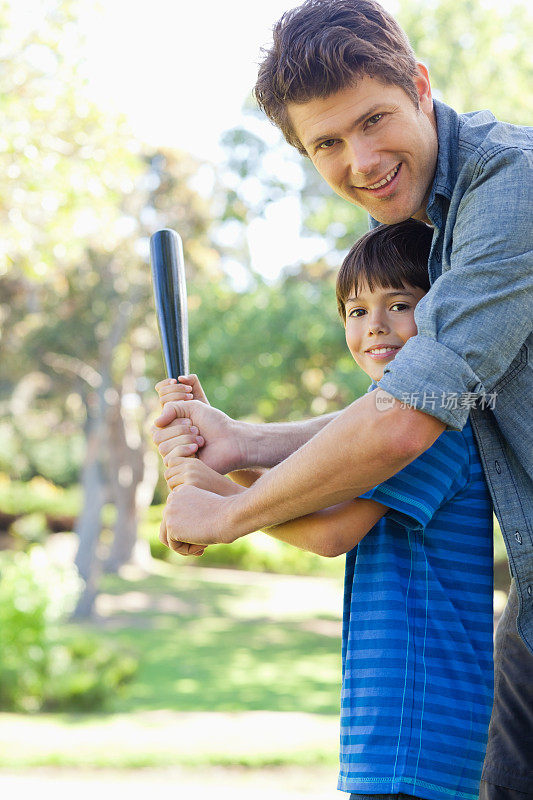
x=76, y=210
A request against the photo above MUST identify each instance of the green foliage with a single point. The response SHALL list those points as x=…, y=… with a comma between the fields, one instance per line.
x=282, y=354
x=38, y=669
x=37, y=496
x=30, y=529
x=478, y=53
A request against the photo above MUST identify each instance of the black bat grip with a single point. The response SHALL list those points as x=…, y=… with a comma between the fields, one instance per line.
x=170, y=294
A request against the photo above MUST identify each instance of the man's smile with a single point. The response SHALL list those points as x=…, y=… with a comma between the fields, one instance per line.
x=385, y=185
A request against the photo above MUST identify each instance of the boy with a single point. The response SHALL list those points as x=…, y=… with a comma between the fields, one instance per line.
x=417, y=629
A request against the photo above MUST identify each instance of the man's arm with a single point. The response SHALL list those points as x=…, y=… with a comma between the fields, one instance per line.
x=231, y=445
x=329, y=532
x=361, y=447
x=478, y=313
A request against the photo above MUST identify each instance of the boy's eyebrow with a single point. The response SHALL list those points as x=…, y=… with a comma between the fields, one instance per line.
x=325, y=136
x=387, y=294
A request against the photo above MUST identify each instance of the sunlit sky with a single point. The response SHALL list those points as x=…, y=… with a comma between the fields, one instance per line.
x=180, y=72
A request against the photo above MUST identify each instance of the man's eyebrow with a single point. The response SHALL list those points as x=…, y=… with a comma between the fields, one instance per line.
x=394, y=293
x=325, y=136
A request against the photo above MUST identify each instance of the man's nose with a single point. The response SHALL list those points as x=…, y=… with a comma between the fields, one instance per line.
x=364, y=159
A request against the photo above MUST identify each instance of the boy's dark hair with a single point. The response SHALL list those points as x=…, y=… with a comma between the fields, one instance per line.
x=324, y=46
x=390, y=256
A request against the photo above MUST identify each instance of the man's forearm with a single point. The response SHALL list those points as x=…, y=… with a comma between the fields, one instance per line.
x=360, y=448
x=267, y=444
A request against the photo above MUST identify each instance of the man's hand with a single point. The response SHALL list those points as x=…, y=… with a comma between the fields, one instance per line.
x=223, y=447
x=194, y=517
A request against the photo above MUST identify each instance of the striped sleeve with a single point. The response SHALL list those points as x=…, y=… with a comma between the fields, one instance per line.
x=415, y=493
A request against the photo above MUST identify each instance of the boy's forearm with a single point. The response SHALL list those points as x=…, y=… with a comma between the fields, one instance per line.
x=245, y=477
x=267, y=444
x=332, y=531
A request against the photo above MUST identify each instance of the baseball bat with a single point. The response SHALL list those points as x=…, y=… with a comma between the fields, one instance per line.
x=170, y=294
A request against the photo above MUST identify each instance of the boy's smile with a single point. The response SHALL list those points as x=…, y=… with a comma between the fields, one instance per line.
x=373, y=146
x=379, y=323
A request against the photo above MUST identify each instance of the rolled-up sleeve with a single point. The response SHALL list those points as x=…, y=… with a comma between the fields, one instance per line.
x=478, y=313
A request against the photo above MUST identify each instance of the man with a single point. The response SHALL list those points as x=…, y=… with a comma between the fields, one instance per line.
x=342, y=83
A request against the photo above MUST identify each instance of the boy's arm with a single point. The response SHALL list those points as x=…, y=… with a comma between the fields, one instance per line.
x=331, y=531
x=246, y=477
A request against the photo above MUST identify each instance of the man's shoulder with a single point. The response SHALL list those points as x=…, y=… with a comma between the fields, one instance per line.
x=481, y=133
x=474, y=144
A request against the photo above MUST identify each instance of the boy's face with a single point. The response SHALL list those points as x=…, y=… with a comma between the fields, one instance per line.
x=372, y=134
x=379, y=323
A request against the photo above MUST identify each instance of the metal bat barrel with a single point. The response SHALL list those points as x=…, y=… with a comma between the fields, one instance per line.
x=170, y=294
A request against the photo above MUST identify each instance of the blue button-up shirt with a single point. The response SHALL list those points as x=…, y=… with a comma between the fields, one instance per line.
x=475, y=325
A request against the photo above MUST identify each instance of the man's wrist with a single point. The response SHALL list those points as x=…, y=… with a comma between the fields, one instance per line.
x=233, y=520
x=248, y=436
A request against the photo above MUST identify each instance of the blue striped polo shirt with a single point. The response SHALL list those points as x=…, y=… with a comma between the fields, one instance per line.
x=417, y=684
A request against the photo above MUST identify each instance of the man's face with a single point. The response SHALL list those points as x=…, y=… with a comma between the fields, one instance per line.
x=373, y=146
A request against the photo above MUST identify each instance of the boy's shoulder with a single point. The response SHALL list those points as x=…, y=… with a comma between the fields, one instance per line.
x=445, y=473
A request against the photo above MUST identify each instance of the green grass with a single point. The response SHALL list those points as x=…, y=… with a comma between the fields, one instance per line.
x=205, y=644
x=208, y=655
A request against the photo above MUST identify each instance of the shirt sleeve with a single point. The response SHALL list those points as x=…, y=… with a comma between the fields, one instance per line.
x=415, y=493
x=476, y=316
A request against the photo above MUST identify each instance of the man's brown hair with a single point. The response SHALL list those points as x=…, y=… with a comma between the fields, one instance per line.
x=389, y=256
x=324, y=46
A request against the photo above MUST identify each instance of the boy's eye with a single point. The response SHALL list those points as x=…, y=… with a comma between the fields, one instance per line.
x=400, y=307
x=356, y=312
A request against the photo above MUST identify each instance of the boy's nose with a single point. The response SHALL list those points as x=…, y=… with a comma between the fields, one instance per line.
x=377, y=326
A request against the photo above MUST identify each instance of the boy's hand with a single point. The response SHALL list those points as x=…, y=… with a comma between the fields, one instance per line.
x=180, y=440
x=187, y=387
x=193, y=472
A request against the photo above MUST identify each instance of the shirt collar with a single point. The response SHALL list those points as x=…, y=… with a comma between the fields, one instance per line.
x=447, y=164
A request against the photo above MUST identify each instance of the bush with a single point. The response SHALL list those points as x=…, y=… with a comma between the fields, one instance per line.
x=37, y=496
x=37, y=669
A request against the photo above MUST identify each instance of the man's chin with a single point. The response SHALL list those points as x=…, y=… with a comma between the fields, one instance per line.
x=390, y=218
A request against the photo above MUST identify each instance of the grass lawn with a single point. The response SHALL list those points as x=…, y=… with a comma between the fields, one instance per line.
x=209, y=644
x=234, y=667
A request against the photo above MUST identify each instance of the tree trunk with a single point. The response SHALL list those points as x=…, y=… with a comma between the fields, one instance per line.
x=125, y=473
x=133, y=472
x=89, y=524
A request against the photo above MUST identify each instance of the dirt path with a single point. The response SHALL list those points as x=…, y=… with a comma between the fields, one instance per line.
x=211, y=783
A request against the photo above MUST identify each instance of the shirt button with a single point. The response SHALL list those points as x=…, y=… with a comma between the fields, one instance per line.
x=529, y=590
x=498, y=468
x=518, y=537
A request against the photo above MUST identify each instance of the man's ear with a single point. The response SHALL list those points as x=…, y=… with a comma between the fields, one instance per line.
x=423, y=87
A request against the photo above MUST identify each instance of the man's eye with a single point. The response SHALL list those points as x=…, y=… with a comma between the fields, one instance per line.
x=374, y=119
x=327, y=144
